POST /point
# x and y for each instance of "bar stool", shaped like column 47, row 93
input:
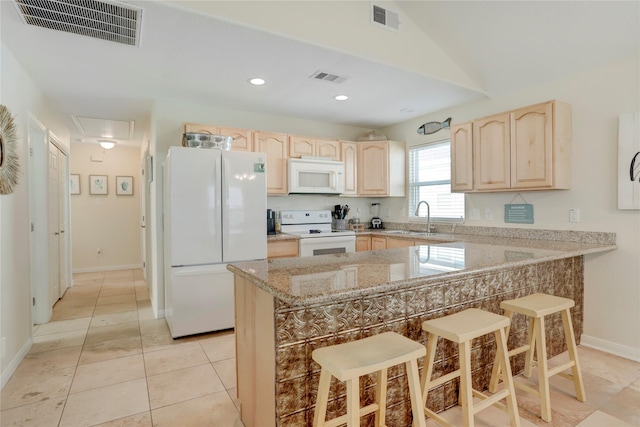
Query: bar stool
column 349, row 361
column 536, row 306
column 462, row 328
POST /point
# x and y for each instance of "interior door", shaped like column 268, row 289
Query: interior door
column 54, row 219
column 63, row 226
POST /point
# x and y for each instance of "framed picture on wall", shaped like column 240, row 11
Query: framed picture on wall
column 98, row 184
column 124, row 185
column 74, row 184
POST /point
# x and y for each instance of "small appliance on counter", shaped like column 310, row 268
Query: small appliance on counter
column 376, row 222
column 271, row 222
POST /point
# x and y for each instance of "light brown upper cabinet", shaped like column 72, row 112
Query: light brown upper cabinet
column 350, row 160
column 275, row 145
column 381, row 168
column 462, row 157
column 524, row 149
column 242, row 138
column 308, row 146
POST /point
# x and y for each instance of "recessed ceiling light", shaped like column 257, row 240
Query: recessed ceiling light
column 341, row 97
column 257, row 81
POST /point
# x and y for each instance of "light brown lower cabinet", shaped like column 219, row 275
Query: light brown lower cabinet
column 282, row 249
column 378, row 242
column 363, row 243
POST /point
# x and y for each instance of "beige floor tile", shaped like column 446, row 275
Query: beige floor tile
column 183, row 384
column 108, row 372
column 35, row 363
column 142, row 295
column 233, row 394
column 159, row 341
column 145, row 311
column 598, row 390
column 57, row 341
column 26, row 389
column 117, row 289
column 116, row 299
column 106, row 350
column 104, row 404
column 599, row 364
column 79, row 324
column 215, row 410
column 90, row 275
column 220, row 347
column 77, row 299
column 138, row 274
column 112, row 332
column 489, row 417
column 600, row 419
column 635, row 386
column 565, row 410
column 119, row 273
column 114, row 318
column 139, row 420
column 154, row 326
column 174, row 358
column 41, row 414
column 116, row 308
column 625, row 406
column 226, row 370
column 72, row 312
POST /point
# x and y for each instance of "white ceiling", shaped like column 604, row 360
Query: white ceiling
column 187, row 53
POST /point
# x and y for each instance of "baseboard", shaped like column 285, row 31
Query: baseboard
column 611, row 347
column 6, row 375
column 106, row 268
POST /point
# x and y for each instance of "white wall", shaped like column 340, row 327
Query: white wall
column 612, row 280
column 110, row 223
column 23, row 99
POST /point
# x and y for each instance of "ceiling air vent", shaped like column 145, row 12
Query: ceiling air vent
column 385, row 17
column 328, row 77
column 106, row 20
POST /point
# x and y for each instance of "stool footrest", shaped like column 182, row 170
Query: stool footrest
column 519, row 350
column 366, row 410
column 488, row 400
column 443, row 379
column 557, row 369
column 437, row 418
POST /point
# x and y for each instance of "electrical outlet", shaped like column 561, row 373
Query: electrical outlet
column 474, row 214
column 488, row 214
column 574, row 215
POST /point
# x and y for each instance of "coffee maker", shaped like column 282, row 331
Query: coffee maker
column 376, row 222
column 271, row 222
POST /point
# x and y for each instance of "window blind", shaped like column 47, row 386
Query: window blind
column 430, row 180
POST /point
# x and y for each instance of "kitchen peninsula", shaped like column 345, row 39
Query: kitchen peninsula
column 286, row 308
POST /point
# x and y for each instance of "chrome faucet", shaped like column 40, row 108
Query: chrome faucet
column 428, row 213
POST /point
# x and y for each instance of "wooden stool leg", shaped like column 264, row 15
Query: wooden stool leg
column 320, row 414
column 353, row 402
column 543, row 370
column 466, row 395
column 528, row 358
column 413, row 377
column 570, row 338
column 381, row 397
column 496, row 371
column 502, row 360
column 428, row 366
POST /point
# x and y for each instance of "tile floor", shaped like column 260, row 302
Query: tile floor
column 104, row 360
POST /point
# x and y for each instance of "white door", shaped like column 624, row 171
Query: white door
column 54, row 219
column 143, row 212
column 63, row 225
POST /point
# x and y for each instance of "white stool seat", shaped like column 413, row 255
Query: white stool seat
column 462, row 328
column 537, row 306
column 349, row 361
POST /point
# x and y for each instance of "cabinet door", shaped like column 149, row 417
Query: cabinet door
column 282, row 249
column 396, row 242
column 274, row 145
column 491, row 148
column 532, row 146
column 462, row 157
column 198, row 128
column 378, row 243
column 350, row 160
column 328, row 148
column 301, row 146
column 363, row 243
column 242, row 138
column 373, row 169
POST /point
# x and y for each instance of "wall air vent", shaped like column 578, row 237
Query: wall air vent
column 106, row 20
column 327, row 77
column 385, row 17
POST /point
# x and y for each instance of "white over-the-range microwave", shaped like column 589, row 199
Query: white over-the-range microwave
column 315, row 176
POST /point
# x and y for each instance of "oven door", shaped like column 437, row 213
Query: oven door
column 327, row 245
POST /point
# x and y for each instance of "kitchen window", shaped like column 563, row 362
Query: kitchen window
column 430, row 180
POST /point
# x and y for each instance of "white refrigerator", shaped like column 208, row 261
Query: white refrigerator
column 214, row 213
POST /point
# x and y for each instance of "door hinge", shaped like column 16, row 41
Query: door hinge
column 144, row 264
column 34, row 301
column 32, row 227
column 30, row 151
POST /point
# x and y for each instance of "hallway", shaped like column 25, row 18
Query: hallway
column 104, row 360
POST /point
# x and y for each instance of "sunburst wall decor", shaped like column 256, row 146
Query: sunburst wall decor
column 9, row 160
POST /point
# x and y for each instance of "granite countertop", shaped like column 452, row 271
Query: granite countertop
column 326, row 278
column 281, row 236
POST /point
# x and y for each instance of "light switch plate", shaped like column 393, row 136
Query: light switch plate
column 474, row 214
column 574, row 215
column 488, row 214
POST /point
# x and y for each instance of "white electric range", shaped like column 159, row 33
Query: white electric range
column 316, row 235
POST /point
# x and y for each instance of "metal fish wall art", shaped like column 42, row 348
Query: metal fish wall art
column 433, row 127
